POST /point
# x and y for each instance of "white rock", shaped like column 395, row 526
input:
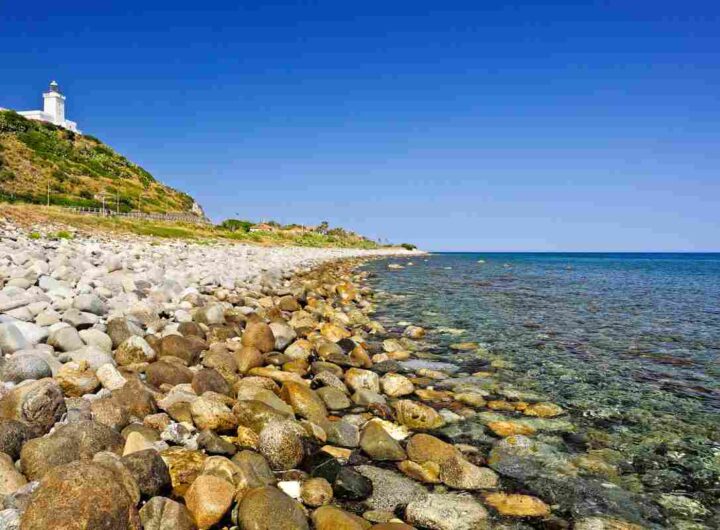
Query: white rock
column 110, row 377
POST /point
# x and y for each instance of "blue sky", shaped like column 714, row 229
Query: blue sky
column 458, row 125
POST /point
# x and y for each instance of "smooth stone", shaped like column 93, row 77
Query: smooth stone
column 447, row 511
column 214, row 444
column 357, row 378
column 168, row 373
column 316, row 492
column 333, row 398
column 11, row 338
column 109, row 377
column 259, row 335
column 379, row 445
column 254, row 468
column 22, row 366
column 458, row 473
column 65, row 339
column 515, row 505
column 342, row 433
column 121, row 329
column 390, row 489
column 416, row 415
column 89, row 303
column 304, row 401
column 179, row 347
column 283, row 333
column 161, row 513
column 351, row 485
column 269, row 508
column 210, row 412
column 423, row 448
column 10, row 479
column 209, row 380
column 97, row 338
column 333, row 518
column 149, row 471
column 396, row 385
column 208, row 499
column 281, row 443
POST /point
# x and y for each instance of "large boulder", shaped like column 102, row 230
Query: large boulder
column 81, row 496
column 73, row 441
column 39, row 404
column 23, row 366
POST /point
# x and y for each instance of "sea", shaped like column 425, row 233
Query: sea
column 627, row 343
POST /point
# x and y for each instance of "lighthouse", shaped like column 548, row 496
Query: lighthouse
column 53, row 109
column 54, row 104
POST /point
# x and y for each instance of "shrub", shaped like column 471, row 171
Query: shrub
column 34, row 235
column 6, row 175
column 63, row 234
column 11, row 121
column 236, row 225
column 408, row 246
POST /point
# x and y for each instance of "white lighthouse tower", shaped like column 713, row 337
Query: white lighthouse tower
column 54, row 104
column 53, row 109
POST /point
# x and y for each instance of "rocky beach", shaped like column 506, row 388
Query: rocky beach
column 174, row 385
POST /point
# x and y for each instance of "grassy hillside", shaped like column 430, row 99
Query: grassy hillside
column 55, row 220
column 78, row 168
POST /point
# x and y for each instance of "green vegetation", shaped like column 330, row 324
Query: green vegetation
column 408, row 246
column 33, row 216
column 63, row 234
column 236, row 225
column 79, row 171
column 34, row 235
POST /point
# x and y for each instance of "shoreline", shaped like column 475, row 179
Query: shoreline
column 272, row 401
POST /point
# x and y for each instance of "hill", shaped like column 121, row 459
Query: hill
column 79, row 170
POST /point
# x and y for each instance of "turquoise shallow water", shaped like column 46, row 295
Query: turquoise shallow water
column 628, row 343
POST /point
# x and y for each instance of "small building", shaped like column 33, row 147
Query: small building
column 53, row 109
column 263, row 227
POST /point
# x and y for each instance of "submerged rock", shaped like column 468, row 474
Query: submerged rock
column 449, row 511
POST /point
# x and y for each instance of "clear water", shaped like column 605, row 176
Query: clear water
column 628, row 343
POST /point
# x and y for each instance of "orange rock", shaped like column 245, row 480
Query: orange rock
column 517, row 505
column 501, row 405
column 543, row 410
column 510, row 428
